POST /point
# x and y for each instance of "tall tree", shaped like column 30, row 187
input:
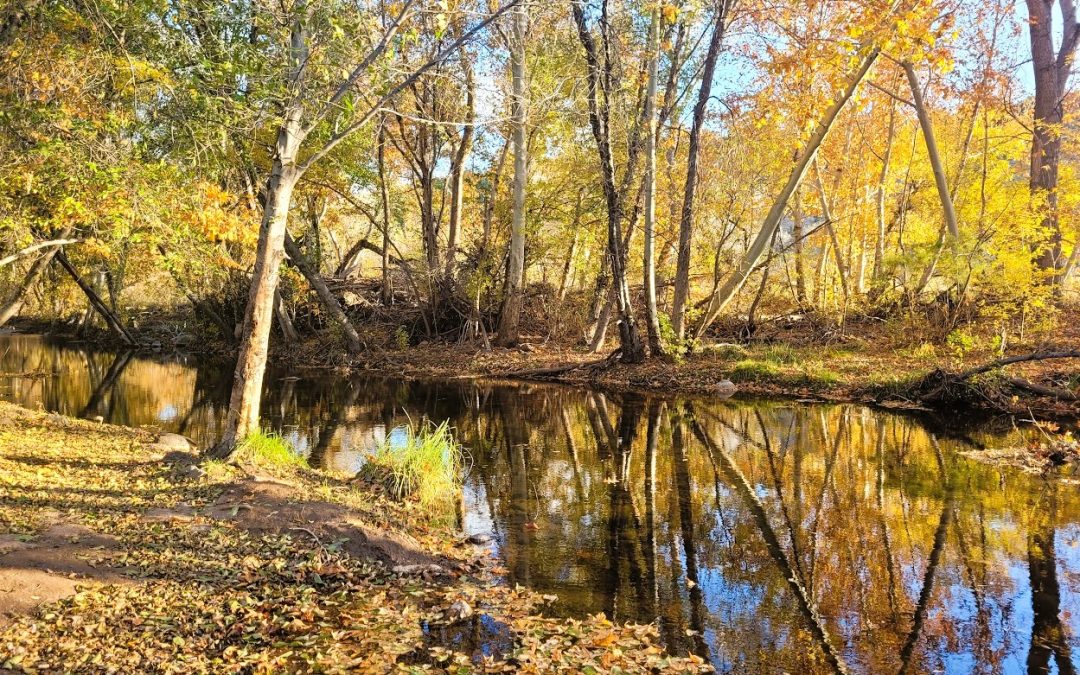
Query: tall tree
column 686, row 221
column 510, row 315
column 652, row 317
column 1052, row 69
column 600, row 77
column 304, row 109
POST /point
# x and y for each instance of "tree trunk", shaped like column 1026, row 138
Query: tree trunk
column 879, row 240
column 686, row 222
column 285, row 323
column 326, row 298
column 457, row 171
column 927, row 127
column 243, row 417
column 17, row 300
column 1051, row 77
column 800, row 259
column 515, row 270
column 386, row 288
column 599, row 84
column 652, row 318
column 568, row 265
column 95, row 300
column 723, row 296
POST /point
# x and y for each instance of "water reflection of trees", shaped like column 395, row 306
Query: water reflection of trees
column 767, row 537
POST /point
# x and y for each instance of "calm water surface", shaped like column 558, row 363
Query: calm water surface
column 765, row 536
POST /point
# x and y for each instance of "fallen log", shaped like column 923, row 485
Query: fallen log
column 1001, row 363
column 941, row 385
column 1053, row 392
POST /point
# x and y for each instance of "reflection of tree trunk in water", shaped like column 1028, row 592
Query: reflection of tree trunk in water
column 601, row 427
column 984, row 632
column 772, row 542
column 119, row 363
column 686, row 522
column 318, row 455
column 928, row 582
column 1047, row 632
column 890, row 567
column 830, row 462
column 198, row 405
column 518, row 515
column 629, row 530
column 655, row 410
column 779, row 486
column 629, row 420
column 571, row 449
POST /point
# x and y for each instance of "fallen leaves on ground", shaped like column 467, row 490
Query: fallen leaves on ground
column 209, row 596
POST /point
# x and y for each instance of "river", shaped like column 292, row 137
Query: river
column 766, row 536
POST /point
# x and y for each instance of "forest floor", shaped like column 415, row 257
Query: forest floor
column 119, row 553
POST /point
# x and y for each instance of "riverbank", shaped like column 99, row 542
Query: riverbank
column 843, row 373
column 122, row 553
column 863, row 365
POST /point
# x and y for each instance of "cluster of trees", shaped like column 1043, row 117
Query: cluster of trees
column 635, row 163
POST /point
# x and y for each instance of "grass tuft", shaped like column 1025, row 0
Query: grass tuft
column 425, row 466
column 752, row 369
column 269, row 448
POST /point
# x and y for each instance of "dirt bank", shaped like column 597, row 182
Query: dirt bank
column 118, row 553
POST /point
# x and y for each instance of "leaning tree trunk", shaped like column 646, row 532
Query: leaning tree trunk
column 96, row 302
column 724, row 295
column 510, row 315
column 940, row 180
column 326, row 298
column 243, row 418
column 17, row 300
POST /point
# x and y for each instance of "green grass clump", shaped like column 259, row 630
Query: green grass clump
column 269, row 448
column 425, row 466
column 819, row 375
column 751, row 369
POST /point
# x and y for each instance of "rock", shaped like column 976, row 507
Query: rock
column 726, row 350
column 478, row 539
column 459, row 611
column 194, row 471
column 183, row 513
column 174, row 442
column 417, row 570
column 725, row 388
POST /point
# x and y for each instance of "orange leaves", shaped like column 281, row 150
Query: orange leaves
column 213, row 217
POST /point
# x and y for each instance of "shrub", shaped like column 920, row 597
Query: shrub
column 425, row 466
column 961, row 341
